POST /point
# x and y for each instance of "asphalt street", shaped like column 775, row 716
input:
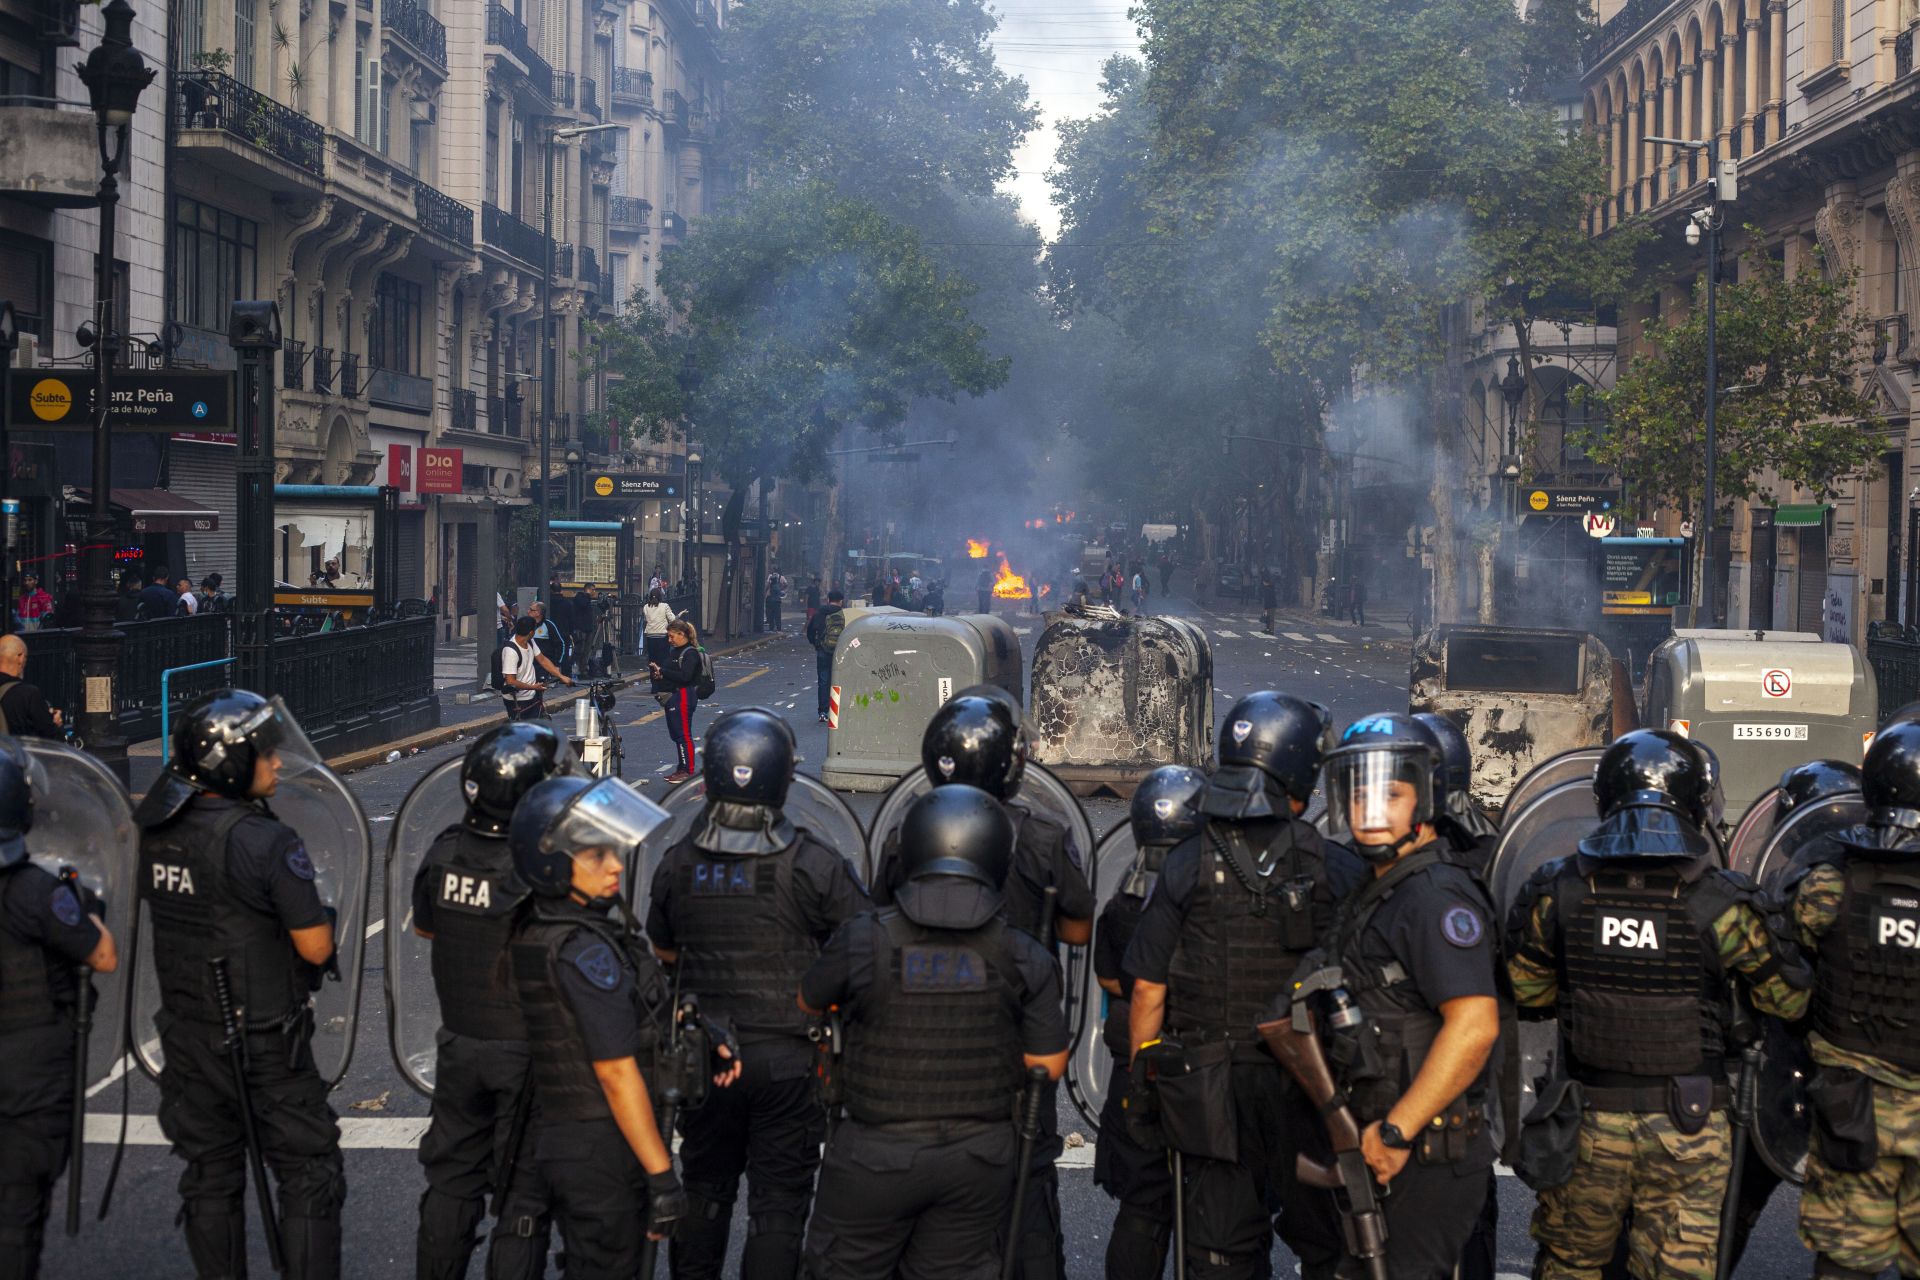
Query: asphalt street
column 1352, row 670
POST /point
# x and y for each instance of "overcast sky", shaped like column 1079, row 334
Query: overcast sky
column 1057, row 46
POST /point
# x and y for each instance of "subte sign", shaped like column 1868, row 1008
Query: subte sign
column 1777, row 682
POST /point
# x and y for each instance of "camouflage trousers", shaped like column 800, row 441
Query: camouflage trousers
column 1672, row 1184
column 1870, row 1220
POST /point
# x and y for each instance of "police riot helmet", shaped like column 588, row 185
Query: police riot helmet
column 17, row 771
column 1654, row 768
column 1166, row 806
column 1382, row 760
column 1271, row 746
column 750, row 757
column 563, row 817
column 957, row 830
column 1890, row 774
column 502, row 765
column 1816, row 780
column 221, row 736
column 978, row 741
column 1456, row 757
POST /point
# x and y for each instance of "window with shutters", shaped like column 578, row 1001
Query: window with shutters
column 26, row 277
column 215, row 263
column 383, row 90
column 493, row 151
column 360, row 83
column 244, row 14
column 189, row 34
column 617, row 264
column 1826, row 34
column 393, row 329
column 24, row 72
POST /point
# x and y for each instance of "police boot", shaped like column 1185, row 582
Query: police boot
column 773, row 1247
column 699, row 1248
column 216, row 1238
column 1825, row 1268
column 312, row 1245
column 446, row 1240
column 1137, row 1246
column 23, row 1218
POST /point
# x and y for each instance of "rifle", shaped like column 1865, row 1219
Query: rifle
column 516, row 1138
column 1745, row 1095
column 1295, row 1043
column 684, row 1070
column 237, row 1056
column 82, row 1033
column 1031, row 1098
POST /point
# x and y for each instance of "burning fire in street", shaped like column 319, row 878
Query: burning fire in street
column 976, row 549
column 1008, row 585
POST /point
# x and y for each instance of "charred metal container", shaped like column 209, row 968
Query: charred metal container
column 1115, row 698
column 891, row 671
column 1522, row 695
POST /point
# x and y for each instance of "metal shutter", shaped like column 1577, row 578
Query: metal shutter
column 203, row 473
column 411, row 530
column 1813, row 578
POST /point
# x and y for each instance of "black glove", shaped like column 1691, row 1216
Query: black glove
column 316, row 974
column 666, row 1203
column 719, row 1035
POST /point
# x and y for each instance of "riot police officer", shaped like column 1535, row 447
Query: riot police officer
column 742, row 906
column 464, row 899
column 1164, row 811
column 1414, row 947
column 1631, row 940
column 223, row 878
column 944, row 1007
column 1468, row 829
column 49, row 928
column 1855, row 905
column 1816, row 780
column 1233, row 913
column 978, row 739
column 598, row 1013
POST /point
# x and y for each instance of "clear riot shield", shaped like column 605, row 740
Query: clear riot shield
column 314, row 801
column 82, row 819
column 1755, row 832
column 1090, row 1063
column 1569, row 766
column 413, row 1007
column 1780, row 1100
column 1046, row 795
column 811, row 804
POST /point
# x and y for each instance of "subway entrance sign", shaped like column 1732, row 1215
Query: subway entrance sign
column 634, row 485
column 1568, row 502
column 143, row 400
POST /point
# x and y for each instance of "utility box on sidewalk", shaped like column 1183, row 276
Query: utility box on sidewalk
column 1114, row 698
column 891, row 671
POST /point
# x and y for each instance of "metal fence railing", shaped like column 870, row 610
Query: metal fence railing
column 1896, row 665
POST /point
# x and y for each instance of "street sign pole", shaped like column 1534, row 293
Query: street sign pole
column 254, row 331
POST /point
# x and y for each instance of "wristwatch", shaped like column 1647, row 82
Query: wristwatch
column 1391, row 1137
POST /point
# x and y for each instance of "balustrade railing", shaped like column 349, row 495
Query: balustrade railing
column 209, row 99
column 293, row 361
column 345, row 682
column 504, row 231
column 632, row 86
column 350, row 374
column 323, row 371
column 410, row 20
column 441, row 214
column 628, row 213
column 507, row 31
column 465, row 410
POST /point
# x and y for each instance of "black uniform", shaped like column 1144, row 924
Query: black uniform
column 1044, row 854
column 746, row 928
column 919, row 1171
column 465, row 895
column 590, row 992
column 227, row 878
column 1223, row 942
column 45, row 934
column 1409, row 941
column 1136, row 1175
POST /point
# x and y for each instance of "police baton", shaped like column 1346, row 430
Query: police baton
column 1744, row 1096
column 669, row 1110
column 1030, row 1099
column 1179, row 1214
column 77, row 1131
column 237, row 1057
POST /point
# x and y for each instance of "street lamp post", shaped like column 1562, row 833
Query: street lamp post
column 9, row 507
column 1513, row 389
column 576, row 460
column 115, row 74
column 547, row 344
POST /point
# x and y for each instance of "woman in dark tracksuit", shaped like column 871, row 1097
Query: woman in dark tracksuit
column 674, row 679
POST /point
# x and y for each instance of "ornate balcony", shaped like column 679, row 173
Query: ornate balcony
column 441, row 215
column 590, row 98
column 323, row 371
column 563, row 262
column 589, row 272
column 278, row 143
column 350, row 375
column 632, row 88
column 410, row 20
column 673, row 113
column 1903, row 53
column 293, row 361
column 629, row 214
column 507, row 32
column 501, row 230
column 465, row 410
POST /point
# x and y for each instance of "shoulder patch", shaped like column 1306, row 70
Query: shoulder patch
column 65, row 907
column 1461, row 926
column 297, row 860
column 597, row 964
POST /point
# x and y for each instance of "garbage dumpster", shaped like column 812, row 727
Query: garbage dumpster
column 1763, row 700
column 891, row 670
column 1116, row 697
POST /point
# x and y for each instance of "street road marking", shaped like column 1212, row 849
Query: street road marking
column 751, row 675
column 1023, row 631
column 376, row 927
column 1228, row 635
column 120, row 1068
column 1294, row 636
column 1321, row 635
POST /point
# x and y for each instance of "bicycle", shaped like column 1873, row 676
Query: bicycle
column 601, row 694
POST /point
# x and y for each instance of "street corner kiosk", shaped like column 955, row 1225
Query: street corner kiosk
column 891, row 671
column 1522, row 695
column 1764, row 701
column 1114, row 698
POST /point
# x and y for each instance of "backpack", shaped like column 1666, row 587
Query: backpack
column 704, row 686
column 496, row 677
column 831, row 629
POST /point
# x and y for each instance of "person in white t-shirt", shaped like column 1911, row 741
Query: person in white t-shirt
column 520, row 665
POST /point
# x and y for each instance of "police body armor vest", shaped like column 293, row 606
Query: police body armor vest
column 26, row 996
column 1034, row 840
column 1242, row 939
column 938, row 1035
column 1378, row 1061
column 1642, row 996
column 474, row 891
column 1866, row 996
column 184, row 883
column 743, row 942
column 563, row 1078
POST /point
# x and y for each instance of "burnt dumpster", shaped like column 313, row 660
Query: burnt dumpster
column 891, row 671
column 1115, row 697
column 1522, row 695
